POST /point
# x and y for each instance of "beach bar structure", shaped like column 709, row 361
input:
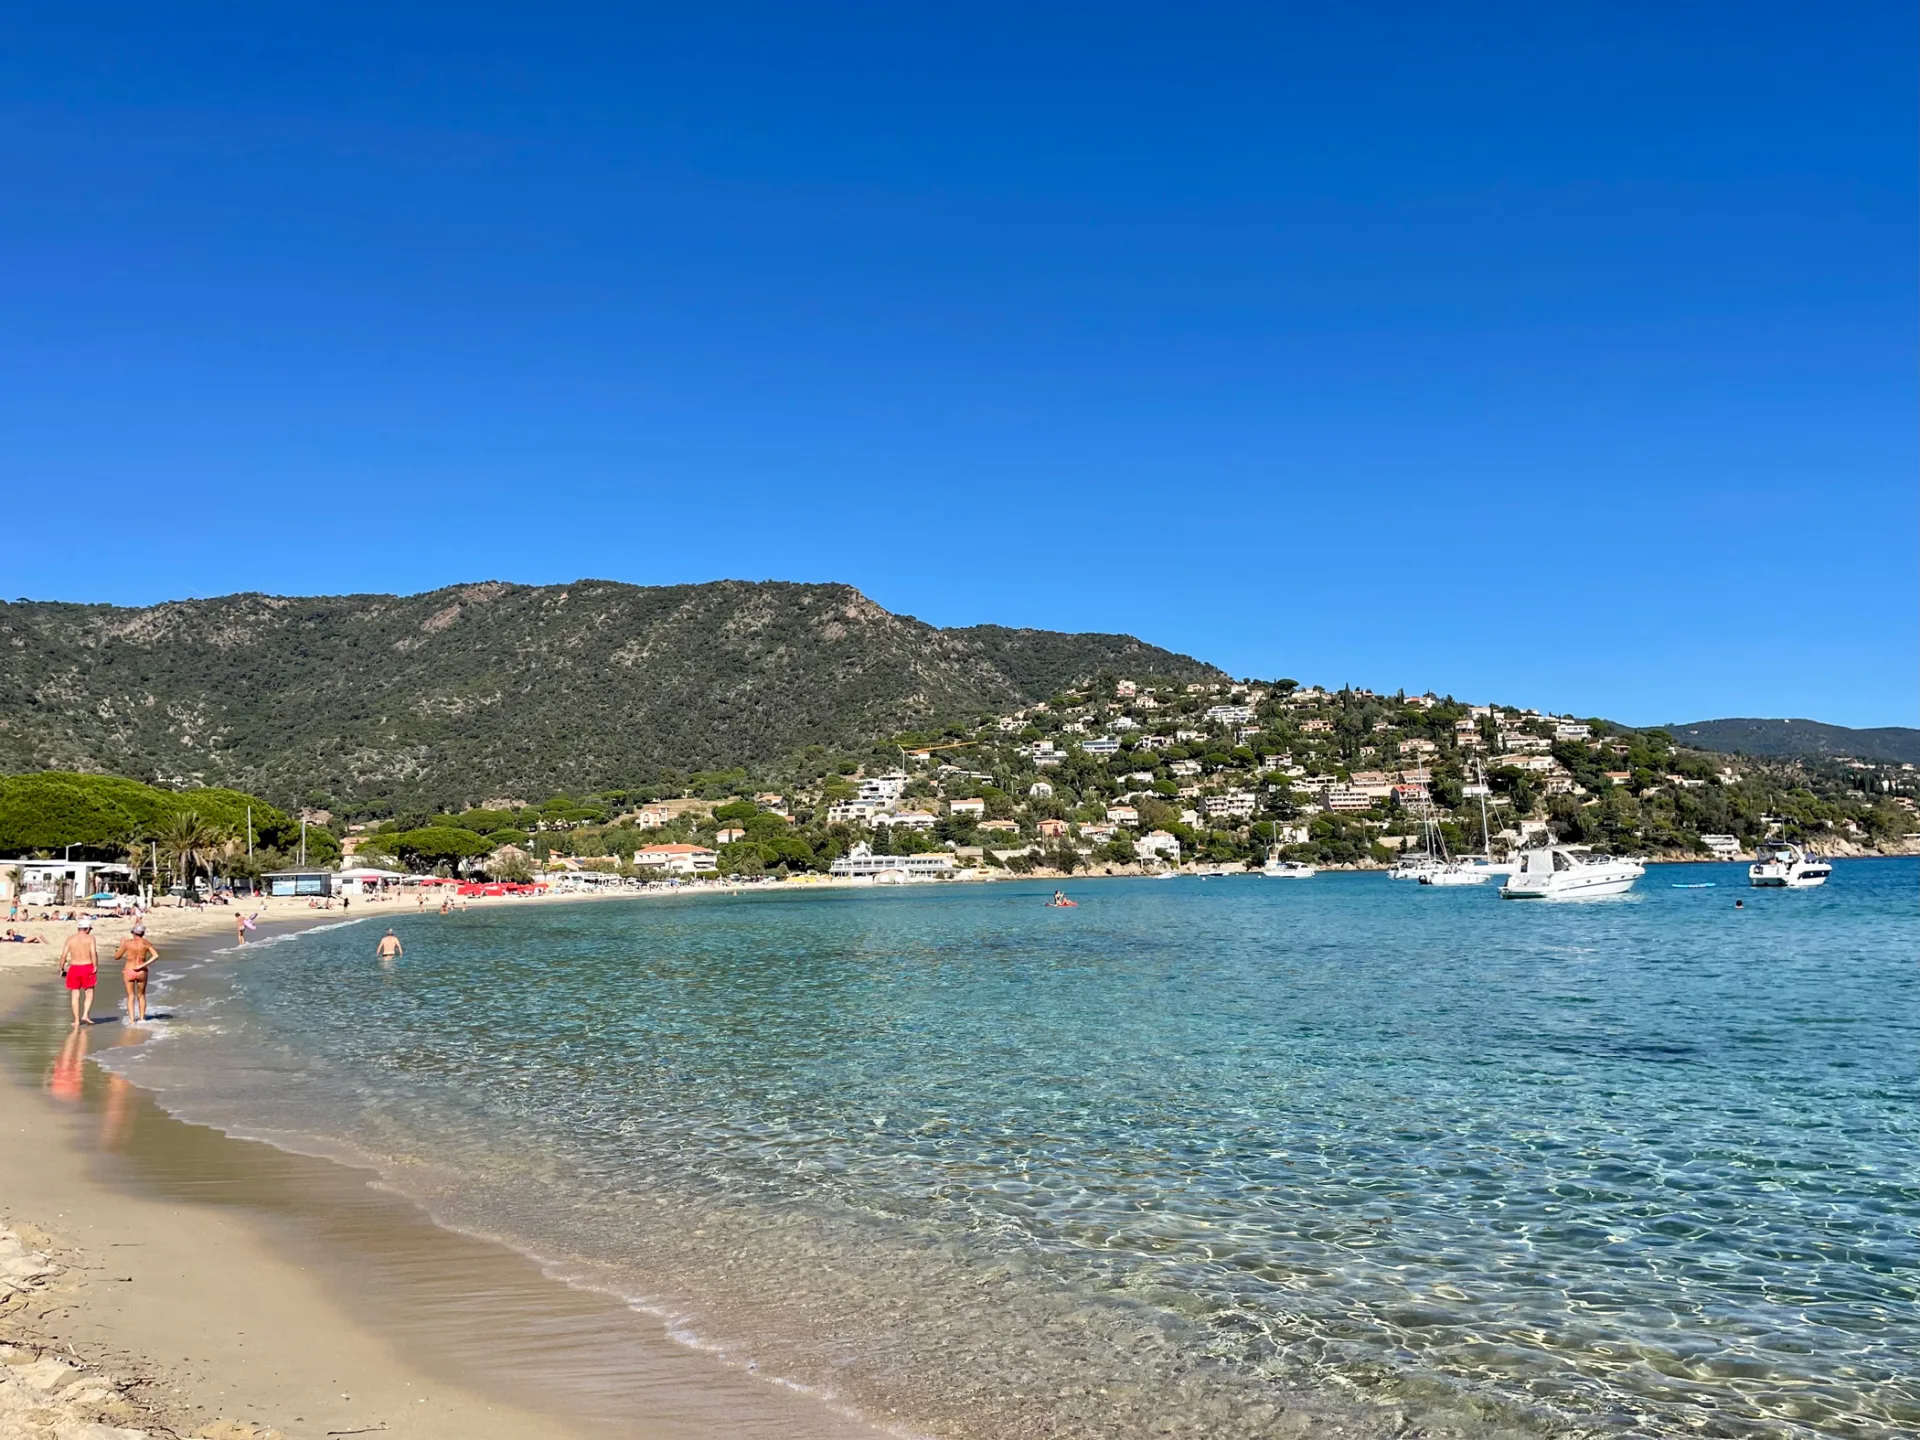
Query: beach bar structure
column 61, row 882
column 365, row 880
column 299, row 882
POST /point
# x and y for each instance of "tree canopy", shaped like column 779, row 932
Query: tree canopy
column 106, row 813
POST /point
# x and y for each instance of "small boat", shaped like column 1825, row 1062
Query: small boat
column 1568, row 872
column 1782, row 864
column 1457, row 872
column 1276, row 869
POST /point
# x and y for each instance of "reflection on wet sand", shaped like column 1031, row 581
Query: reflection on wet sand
column 474, row 1314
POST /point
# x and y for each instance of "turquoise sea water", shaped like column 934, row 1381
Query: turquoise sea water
column 1224, row 1157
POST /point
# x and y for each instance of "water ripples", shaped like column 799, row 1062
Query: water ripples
column 1210, row 1160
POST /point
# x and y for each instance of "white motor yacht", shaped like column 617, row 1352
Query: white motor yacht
column 1564, row 872
column 1277, row 869
column 1464, row 871
column 1781, row 863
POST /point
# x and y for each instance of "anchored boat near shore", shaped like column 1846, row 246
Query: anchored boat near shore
column 1782, row 864
column 1563, row 872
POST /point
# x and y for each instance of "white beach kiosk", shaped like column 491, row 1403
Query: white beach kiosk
column 364, row 882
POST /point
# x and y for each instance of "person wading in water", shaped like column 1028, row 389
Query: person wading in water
column 79, row 962
column 135, row 954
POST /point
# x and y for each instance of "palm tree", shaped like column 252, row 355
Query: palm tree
column 192, row 844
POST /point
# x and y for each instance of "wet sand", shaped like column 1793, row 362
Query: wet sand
column 243, row 1283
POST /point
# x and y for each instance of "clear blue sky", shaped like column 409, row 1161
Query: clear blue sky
column 1560, row 354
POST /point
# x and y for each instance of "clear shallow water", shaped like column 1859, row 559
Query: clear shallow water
column 1210, row 1158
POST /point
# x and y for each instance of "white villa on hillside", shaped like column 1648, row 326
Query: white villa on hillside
column 677, row 859
column 1157, row 842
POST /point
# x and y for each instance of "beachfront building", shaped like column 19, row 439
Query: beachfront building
column 299, row 882
column 1103, row 745
column 1721, row 847
column 861, row 863
column 860, row 811
column 1040, row 790
column 365, row 880
column 975, row 807
column 1051, row 829
column 62, row 882
column 677, row 859
column 1123, row 815
column 729, row 834
column 909, row 819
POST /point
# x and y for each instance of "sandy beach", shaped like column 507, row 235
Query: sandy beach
column 159, row 1278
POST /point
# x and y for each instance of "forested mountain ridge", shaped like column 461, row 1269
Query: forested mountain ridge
column 497, row 688
column 1801, row 739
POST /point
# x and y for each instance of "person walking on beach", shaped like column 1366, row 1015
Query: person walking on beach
column 79, row 962
column 389, row 950
column 239, row 927
column 135, row 954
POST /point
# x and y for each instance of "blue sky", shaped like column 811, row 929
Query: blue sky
column 1557, row 354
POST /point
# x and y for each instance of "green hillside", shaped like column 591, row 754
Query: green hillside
column 495, row 689
column 1801, row 739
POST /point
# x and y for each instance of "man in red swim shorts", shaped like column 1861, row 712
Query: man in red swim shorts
column 79, row 967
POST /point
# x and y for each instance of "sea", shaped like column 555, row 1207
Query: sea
column 1215, row 1157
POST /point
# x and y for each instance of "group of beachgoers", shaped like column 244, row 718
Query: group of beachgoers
column 80, row 968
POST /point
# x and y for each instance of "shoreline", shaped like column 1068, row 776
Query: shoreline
column 251, row 1291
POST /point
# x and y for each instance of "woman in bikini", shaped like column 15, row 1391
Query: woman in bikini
column 135, row 954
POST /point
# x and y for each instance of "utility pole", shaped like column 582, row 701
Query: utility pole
column 303, row 842
column 249, row 832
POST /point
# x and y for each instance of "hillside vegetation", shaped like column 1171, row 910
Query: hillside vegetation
column 429, row 701
column 1111, row 776
column 1802, row 739
column 105, row 817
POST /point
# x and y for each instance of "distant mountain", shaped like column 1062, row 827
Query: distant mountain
column 498, row 689
column 1801, row 739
